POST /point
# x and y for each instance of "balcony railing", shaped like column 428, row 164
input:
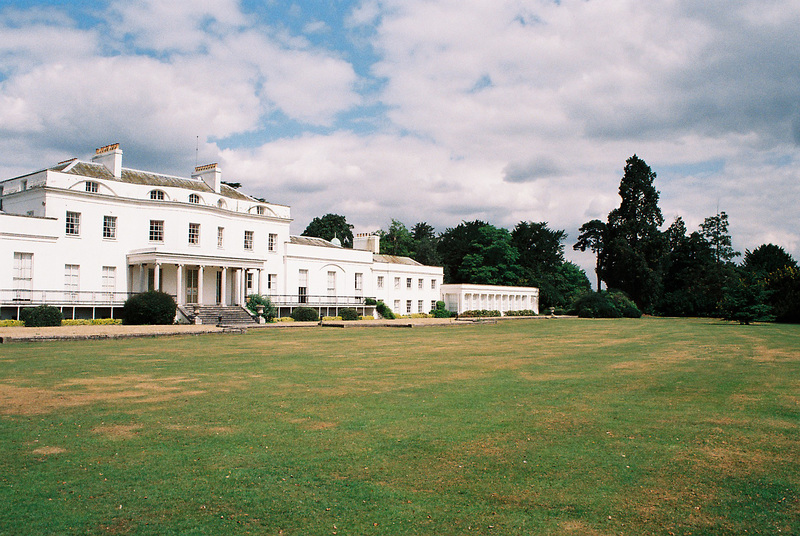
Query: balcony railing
column 312, row 300
column 62, row 297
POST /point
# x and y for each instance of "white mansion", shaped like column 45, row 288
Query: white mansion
column 83, row 236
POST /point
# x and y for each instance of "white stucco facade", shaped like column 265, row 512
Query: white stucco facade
column 86, row 235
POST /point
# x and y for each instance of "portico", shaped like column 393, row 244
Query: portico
column 196, row 279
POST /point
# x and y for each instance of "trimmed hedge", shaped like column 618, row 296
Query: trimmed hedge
column 481, row 313
column 348, row 314
column 152, row 307
column 523, row 312
column 42, row 316
column 305, row 314
column 94, row 322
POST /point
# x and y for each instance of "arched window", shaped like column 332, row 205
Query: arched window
column 222, row 204
column 194, row 198
column 261, row 210
column 157, row 195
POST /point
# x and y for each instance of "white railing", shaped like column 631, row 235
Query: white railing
column 61, row 297
column 311, row 300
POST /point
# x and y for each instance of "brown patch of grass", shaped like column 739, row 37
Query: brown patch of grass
column 118, row 431
column 49, row 450
column 573, row 526
column 16, row 400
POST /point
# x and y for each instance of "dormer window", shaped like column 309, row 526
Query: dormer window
column 91, row 186
column 157, row 195
column 261, row 210
column 222, row 204
column 194, row 198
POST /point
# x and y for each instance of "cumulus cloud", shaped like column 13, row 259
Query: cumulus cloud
column 440, row 110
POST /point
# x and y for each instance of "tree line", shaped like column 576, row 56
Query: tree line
column 670, row 272
column 477, row 252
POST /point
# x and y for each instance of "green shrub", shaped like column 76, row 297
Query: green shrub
column 305, row 314
column 11, row 323
column 606, row 305
column 522, row 312
column 441, row 311
column 481, row 313
column 254, row 300
column 625, row 305
column 384, row 311
column 44, row 315
column 153, row 307
column 370, row 301
column 348, row 314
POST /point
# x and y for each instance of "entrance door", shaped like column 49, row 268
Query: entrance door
column 219, row 288
column 191, row 285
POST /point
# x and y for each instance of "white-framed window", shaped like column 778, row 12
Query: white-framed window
column 408, row 307
column 261, row 210
column 73, row 220
column 72, row 277
column 157, row 195
column 433, row 284
column 91, row 187
column 194, row 198
column 194, row 233
column 331, row 283
column 110, row 227
column 359, row 282
column 23, row 275
column 396, row 308
column 109, row 281
column 272, row 283
column 420, row 284
column 272, row 242
column 302, row 286
column 248, row 240
column 220, row 237
column 23, row 185
column 249, row 281
column 408, row 282
column 433, row 305
column 397, row 283
column 420, row 305
column 156, row 230
column 380, row 281
column 222, row 204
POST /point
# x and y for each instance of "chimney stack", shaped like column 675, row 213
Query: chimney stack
column 211, row 174
column 367, row 242
column 111, row 157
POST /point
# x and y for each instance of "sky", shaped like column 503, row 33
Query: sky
column 440, row 111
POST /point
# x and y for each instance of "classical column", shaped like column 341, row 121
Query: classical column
column 200, row 285
column 223, row 290
column 179, row 285
column 157, row 277
column 142, row 287
column 261, row 281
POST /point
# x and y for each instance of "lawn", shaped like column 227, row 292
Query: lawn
column 524, row 427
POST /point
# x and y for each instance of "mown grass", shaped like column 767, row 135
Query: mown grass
column 651, row 426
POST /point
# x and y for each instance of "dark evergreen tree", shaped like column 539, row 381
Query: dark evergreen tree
column 715, row 230
column 592, row 236
column 633, row 246
column 765, row 259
